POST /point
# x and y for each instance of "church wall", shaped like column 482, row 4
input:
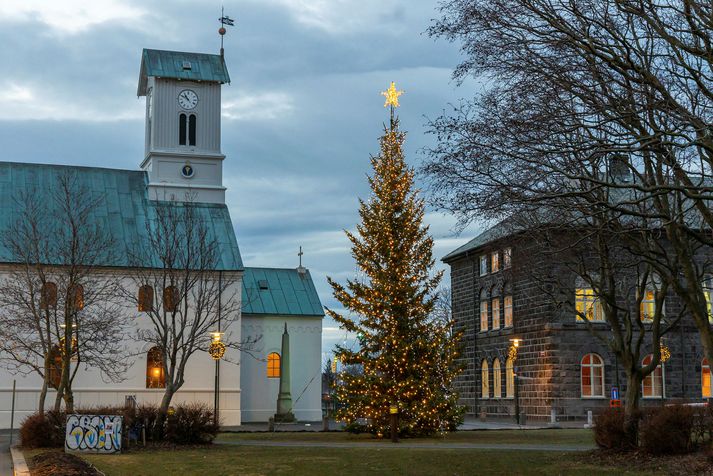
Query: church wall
column 259, row 396
column 90, row 389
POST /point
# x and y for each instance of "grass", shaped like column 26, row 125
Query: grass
column 226, row 460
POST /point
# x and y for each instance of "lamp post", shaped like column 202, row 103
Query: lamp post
column 512, row 353
column 216, row 351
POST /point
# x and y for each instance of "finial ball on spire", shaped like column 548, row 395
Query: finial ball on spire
column 221, row 31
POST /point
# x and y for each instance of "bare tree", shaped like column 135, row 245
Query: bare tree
column 176, row 280
column 58, row 306
column 577, row 93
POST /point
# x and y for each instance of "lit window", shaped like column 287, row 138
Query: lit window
column 588, row 304
column 496, row 312
column 705, row 379
column 508, row 311
column 509, row 379
column 171, row 296
column 155, row 372
column 48, row 296
column 75, row 293
column 653, row 384
column 648, row 306
column 497, row 387
column 507, row 258
column 483, row 312
column 494, row 262
column 707, row 292
column 182, row 126
column 483, row 265
column 145, row 298
column 273, row 365
column 592, row 376
column 192, row 129
column 484, row 380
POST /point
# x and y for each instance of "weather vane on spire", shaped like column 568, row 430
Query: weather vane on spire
column 392, row 96
column 224, row 20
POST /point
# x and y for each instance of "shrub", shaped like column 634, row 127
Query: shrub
column 191, row 423
column 610, row 430
column 668, row 430
column 43, row 431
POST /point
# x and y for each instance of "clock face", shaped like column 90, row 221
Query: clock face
column 187, row 99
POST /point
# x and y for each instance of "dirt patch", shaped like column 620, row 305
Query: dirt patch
column 55, row 463
column 675, row 465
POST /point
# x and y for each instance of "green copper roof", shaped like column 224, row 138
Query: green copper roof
column 123, row 208
column 280, row 292
column 181, row 65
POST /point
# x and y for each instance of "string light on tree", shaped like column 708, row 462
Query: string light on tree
column 405, row 357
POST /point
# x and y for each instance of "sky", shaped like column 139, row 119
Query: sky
column 301, row 117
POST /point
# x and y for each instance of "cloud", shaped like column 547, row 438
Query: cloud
column 69, row 16
column 257, row 107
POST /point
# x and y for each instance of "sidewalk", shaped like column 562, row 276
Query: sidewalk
column 5, row 459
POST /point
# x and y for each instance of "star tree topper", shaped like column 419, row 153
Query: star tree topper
column 392, row 96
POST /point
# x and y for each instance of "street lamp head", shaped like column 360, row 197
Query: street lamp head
column 216, row 336
column 515, row 341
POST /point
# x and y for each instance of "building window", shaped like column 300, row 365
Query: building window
column 647, row 310
column 509, row 379
column 48, row 296
column 145, row 298
column 496, row 312
column 484, row 379
column 171, row 296
column 497, row 384
column 182, row 126
column 508, row 311
column 273, row 365
column 75, row 293
column 192, row 129
column 483, row 312
column 653, row 384
column 483, row 265
column 155, row 372
column 592, row 376
column 705, row 379
column 707, row 293
column 588, row 305
column 494, row 262
column 507, row 258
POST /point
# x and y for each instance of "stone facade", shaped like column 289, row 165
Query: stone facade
column 553, row 342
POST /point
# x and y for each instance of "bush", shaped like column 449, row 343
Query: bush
column 668, row 430
column 43, row 431
column 191, row 423
column 610, row 430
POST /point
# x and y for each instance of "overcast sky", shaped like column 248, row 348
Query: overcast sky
column 300, row 118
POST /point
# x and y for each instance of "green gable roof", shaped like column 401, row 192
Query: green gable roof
column 123, row 210
column 170, row 64
column 280, row 292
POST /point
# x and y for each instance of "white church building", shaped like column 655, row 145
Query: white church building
column 183, row 155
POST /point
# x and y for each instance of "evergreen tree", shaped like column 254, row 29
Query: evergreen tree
column 407, row 357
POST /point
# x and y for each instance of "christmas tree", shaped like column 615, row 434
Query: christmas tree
column 406, row 357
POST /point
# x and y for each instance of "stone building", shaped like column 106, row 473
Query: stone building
column 561, row 366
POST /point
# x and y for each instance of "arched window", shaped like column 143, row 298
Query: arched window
column 587, row 304
column 592, row 376
column 155, row 372
column 495, row 303
column 653, row 384
column 705, row 379
column 75, row 295
column 48, row 296
column 145, row 298
column 507, row 301
column 171, row 296
column 484, row 379
column 182, row 120
column 483, row 311
column 55, row 370
column 509, row 379
column 273, row 365
column 192, row 129
column 647, row 309
column 497, row 385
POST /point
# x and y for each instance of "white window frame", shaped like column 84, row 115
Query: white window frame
column 483, row 265
column 593, row 367
column 497, row 379
column 507, row 258
column 484, row 315
column 509, row 379
column 494, row 262
column 484, row 379
column 705, row 368
column 507, row 311
column 495, row 311
column 585, row 298
column 653, row 378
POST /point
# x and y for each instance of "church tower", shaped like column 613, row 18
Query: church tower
column 183, row 111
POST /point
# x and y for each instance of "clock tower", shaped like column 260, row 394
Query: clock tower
column 182, row 152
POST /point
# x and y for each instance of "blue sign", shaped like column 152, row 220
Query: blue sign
column 615, row 393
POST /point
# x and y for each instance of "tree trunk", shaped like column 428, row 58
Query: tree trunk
column 45, row 382
column 631, row 407
column 163, row 412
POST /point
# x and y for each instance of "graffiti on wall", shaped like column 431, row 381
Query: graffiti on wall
column 93, row 433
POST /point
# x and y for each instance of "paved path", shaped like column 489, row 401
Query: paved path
column 428, row 446
column 5, row 459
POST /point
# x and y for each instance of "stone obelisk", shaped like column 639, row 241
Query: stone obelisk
column 284, row 398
